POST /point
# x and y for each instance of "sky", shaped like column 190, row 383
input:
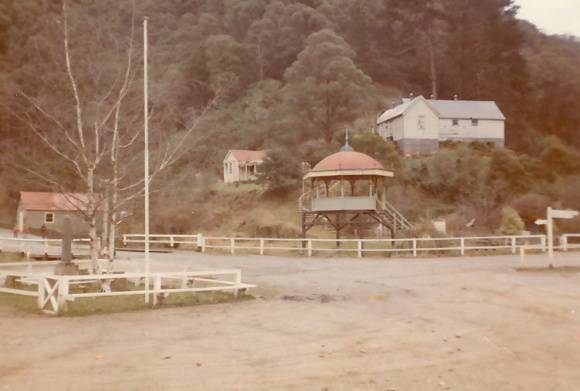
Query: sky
column 552, row 16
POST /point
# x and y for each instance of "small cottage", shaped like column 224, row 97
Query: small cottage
column 417, row 125
column 242, row 165
column 44, row 212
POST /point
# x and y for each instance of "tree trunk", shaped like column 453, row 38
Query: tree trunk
column 105, row 222
column 92, row 215
column 94, row 245
column 432, row 66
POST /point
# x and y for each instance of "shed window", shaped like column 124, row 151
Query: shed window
column 474, row 122
column 49, row 217
column 421, row 122
column 455, row 122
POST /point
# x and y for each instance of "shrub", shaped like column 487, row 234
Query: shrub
column 511, row 223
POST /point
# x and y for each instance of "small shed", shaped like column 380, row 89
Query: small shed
column 45, row 212
column 242, row 165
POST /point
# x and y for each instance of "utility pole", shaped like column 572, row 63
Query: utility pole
column 146, row 139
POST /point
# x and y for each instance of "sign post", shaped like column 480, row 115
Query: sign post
column 552, row 214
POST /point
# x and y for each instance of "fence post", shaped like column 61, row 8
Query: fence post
column 359, row 248
column 261, row 246
column 309, row 247
column 232, row 246
column 41, row 293
column 156, row 288
column 238, row 281
column 543, row 242
column 124, row 239
column 462, row 245
column 564, row 242
column 513, row 244
column 522, row 255
column 414, row 247
column 63, row 284
column 199, row 241
column 171, row 243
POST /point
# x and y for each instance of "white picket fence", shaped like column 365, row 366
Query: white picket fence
column 41, row 245
column 54, row 291
column 411, row 246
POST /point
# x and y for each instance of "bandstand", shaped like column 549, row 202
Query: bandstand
column 348, row 188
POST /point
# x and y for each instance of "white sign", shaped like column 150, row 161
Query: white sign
column 541, row 222
column 564, row 214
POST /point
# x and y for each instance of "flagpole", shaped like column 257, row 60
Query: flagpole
column 146, row 139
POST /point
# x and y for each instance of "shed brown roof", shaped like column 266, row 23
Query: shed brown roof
column 32, row 200
column 244, row 155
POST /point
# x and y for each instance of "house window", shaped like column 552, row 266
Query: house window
column 455, row 122
column 229, row 168
column 49, row 218
column 474, row 122
column 421, row 122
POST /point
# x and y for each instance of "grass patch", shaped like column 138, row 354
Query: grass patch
column 22, row 303
column 549, row 269
column 6, row 257
column 115, row 304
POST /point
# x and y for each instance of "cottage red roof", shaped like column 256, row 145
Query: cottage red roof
column 245, row 155
column 53, row 201
column 349, row 160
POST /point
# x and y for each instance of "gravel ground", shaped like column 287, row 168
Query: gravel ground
column 321, row 324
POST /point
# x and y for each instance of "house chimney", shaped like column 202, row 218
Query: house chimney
column 455, row 97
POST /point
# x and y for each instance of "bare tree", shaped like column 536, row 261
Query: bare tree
column 96, row 129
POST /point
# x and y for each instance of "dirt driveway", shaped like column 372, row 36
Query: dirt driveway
column 321, row 324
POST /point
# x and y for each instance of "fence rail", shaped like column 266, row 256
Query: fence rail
column 54, row 291
column 566, row 244
column 412, row 246
column 40, row 245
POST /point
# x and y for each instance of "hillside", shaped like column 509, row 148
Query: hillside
column 288, row 76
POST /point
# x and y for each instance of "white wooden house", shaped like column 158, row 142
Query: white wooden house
column 242, row 165
column 418, row 125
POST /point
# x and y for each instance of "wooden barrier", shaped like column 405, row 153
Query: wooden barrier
column 53, row 291
column 358, row 247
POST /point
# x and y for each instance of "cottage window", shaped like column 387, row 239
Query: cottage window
column 474, row 122
column 49, row 218
column 230, row 167
column 455, row 122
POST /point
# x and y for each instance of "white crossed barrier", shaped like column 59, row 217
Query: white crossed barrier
column 54, row 291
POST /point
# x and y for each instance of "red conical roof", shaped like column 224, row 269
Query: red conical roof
column 348, row 160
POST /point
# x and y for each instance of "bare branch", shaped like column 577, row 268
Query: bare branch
column 71, row 77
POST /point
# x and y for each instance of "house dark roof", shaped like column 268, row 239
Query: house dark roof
column 244, row 155
column 467, row 109
column 449, row 109
column 43, row 201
